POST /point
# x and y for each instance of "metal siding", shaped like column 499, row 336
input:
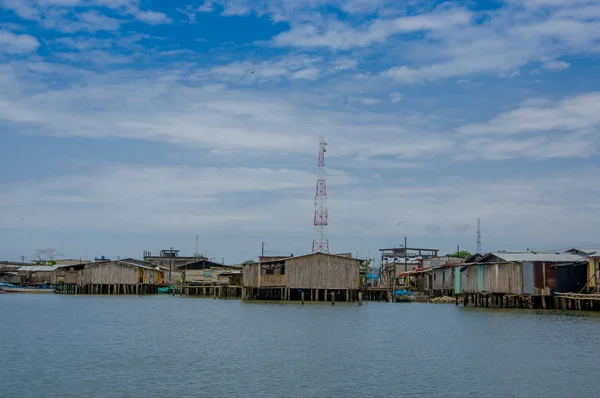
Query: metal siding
column 457, row 280
column 528, row 281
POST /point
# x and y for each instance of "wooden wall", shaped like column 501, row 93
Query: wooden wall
column 317, row 271
column 592, row 273
column 322, row 271
column 442, row 278
column 117, row 273
column 544, row 277
column 250, row 273
column 468, row 279
column 495, row 278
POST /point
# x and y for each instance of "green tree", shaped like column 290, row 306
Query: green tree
column 248, row 262
column 461, row 254
column 365, row 266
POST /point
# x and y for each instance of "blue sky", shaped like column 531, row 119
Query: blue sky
column 131, row 125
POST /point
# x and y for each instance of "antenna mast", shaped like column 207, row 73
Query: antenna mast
column 320, row 241
column 478, row 237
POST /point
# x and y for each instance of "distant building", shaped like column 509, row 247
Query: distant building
column 170, row 260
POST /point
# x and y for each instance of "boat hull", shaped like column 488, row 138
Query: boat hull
column 404, row 299
column 27, row 290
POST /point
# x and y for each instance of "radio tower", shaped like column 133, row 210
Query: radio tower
column 478, row 237
column 320, row 241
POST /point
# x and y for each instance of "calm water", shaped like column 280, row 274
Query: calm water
column 64, row 346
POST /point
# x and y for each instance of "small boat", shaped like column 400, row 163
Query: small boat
column 166, row 290
column 10, row 288
column 403, row 296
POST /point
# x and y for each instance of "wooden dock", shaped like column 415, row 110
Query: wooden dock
column 213, row 291
column 109, row 289
column 564, row 301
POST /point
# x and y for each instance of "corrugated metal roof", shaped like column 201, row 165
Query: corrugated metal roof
column 38, row 268
column 537, row 256
column 590, row 251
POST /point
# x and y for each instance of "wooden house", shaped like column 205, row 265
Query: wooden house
column 439, row 280
column 41, row 274
column 313, row 276
column 511, row 273
column 127, row 276
column 593, row 273
column 205, row 271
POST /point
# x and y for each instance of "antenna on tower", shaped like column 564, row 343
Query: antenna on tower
column 320, row 241
column 478, row 236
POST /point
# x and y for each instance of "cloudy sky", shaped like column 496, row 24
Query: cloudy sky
column 131, row 125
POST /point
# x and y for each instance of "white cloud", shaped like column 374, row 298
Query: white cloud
column 564, row 147
column 97, row 57
column 337, row 35
column 89, row 21
column 152, row 17
column 297, row 67
column 66, row 15
column 282, row 206
column 396, row 97
column 309, row 73
column 365, row 100
column 577, row 113
column 555, row 65
column 505, row 42
column 24, row 9
column 207, row 6
column 344, row 64
column 105, row 203
column 12, row 43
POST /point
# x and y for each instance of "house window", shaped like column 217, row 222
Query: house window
column 283, row 270
column 269, row 271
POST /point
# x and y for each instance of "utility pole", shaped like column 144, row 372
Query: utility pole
column 405, row 263
column 196, row 254
column 23, row 259
column 170, row 263
column 457, row 250
column 478, row 236
column 262, row 252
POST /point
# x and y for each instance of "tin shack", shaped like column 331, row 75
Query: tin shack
column 520, row 274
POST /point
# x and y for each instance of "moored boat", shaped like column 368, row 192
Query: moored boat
column 404, row 296
column 10, row 288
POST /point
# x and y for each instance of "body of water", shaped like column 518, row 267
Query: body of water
column 160, row 346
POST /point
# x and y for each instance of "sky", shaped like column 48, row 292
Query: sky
column 132, row 125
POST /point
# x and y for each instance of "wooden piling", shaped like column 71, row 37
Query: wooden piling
column 302, row 297
column 360, row 298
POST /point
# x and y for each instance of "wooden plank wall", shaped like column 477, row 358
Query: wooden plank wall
column 545, row 278
column 250, row 274
column 468, row 279
column 272, row 280
column 503, row 278
column 322, row 271
column 441, row 282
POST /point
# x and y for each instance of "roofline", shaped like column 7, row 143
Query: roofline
column 412, row 248
column 306, row 255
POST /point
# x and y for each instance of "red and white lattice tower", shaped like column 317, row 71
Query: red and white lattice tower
column 320, row 240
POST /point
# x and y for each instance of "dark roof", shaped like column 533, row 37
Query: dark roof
column 201, row 264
